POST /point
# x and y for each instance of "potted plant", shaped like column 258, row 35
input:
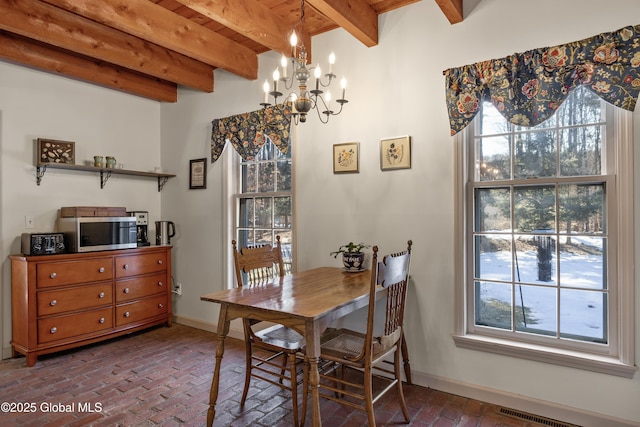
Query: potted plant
column 352, row 255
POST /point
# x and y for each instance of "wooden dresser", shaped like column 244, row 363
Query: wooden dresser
column 68, row 300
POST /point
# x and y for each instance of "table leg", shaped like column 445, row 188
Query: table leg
column 223, row 330
column 313, row 355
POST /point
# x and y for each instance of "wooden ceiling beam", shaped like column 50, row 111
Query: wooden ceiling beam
column 33, row 54
column 148, row 21
column 66, row 30
column 452, row 9
column 250, row 18
column 357, row 17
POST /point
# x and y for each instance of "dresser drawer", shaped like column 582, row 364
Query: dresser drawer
column 141, row 310
column 78, row 298
column 71, row 325
column 139, row 287
column 140, row 264
column 70, row 272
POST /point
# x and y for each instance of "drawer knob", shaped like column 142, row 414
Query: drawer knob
column 160, row 283
column 101, row 295
column 101, row 320
column 54, row 330
column 159, row 261
column 160, row 306
column 53, row 275
column 127, row 314
column 53, row 302
column 126, row 290
column 126, row 266
column 101, row 269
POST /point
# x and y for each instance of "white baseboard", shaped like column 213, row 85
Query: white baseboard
column 541, row 408
column 7, row 353
column 235, row 330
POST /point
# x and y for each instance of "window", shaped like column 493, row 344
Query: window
column 264, row 201
column 543, row 211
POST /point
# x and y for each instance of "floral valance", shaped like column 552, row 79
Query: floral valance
column 247, row 132
column 527, row 88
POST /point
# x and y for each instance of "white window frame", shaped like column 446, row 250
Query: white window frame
column 231, row 193
column 621, row 217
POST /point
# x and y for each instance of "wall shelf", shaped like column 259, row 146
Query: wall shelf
column 105, row 173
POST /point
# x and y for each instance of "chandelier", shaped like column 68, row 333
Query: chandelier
column 305, row 100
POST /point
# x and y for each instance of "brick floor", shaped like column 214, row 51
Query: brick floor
column 162, row 377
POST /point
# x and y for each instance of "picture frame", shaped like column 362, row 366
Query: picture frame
column 198, row 174
column 395, row 153
column 346, row 157
column 55, row 151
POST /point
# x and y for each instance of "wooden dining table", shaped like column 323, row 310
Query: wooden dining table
column 307, row 301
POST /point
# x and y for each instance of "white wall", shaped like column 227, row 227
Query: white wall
column 103, row 122
column 395, row 88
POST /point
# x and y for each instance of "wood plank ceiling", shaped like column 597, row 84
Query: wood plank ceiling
column 149, row 47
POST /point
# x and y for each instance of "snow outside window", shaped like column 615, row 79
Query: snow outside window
column 542, row 221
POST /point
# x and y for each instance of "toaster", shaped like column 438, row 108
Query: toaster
column 42, row 243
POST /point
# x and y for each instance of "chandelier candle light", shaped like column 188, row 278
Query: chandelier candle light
column 305, row 100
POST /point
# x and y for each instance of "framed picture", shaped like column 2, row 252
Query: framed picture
column 54, row 151
column 346, row 157
column 198, row 174
column 395, row 153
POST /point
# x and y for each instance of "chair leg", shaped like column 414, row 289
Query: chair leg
column 247, row 371
column 305, row 392
column 293, row 379
column 405, row 358
column 403, row 404
column 368, row 396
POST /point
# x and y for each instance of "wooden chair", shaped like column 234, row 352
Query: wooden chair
column 255, row 266
column 366, row 352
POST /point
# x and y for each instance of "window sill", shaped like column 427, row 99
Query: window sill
column 573, row 359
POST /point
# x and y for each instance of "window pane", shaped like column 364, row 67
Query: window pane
column 494, row 158
column 249, row 178
column 493, row 257
column 492, row 209
column 581, row 208
column 582, row 262
column 536, row 309
column 284, row 176
column 583, row 314
column 581, row 151
column 534, row 208
column 535, row 154
column 245, row 238
column 263, row 212
column 264, row 237
column 580, row 108
column 266, row 179
column 492, row 121
column 282, row 217
column 493, row 304
column 535, row 259
column 246, row 213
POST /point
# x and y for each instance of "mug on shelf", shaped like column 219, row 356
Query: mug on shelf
column 111, row 162
column 97, row 161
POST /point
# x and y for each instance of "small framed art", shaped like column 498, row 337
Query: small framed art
column 54, row 151
column 346, row 157
column 198, row 174
column 395, row 153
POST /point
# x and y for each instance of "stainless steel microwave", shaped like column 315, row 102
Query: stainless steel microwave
column 87, row 234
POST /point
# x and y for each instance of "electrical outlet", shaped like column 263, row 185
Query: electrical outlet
column 29, row 221
column 178, row 289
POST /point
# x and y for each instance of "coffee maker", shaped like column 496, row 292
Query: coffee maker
column 142, row 227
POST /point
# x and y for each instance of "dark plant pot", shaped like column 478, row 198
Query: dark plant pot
column 353, row 261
